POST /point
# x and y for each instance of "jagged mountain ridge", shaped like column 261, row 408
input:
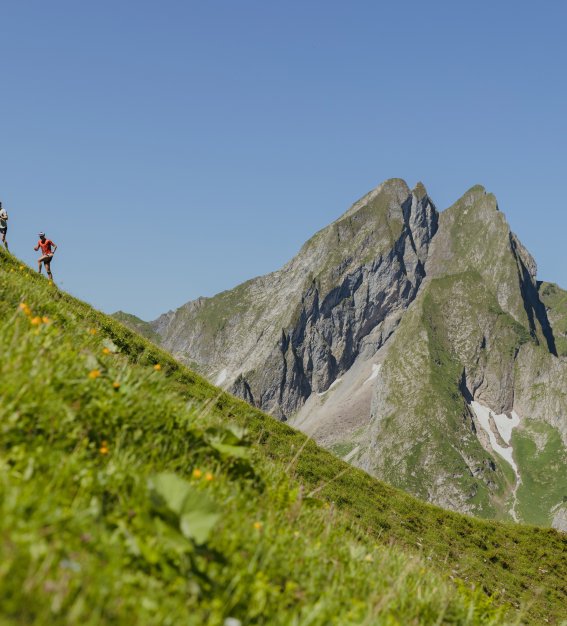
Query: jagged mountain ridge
column 382, row 335
column 313, row 317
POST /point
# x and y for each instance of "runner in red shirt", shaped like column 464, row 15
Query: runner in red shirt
column 47, row 253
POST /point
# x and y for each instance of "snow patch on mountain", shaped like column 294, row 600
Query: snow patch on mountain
column 504, row 425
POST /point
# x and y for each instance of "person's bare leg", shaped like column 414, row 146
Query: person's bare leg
column 48, row 269
column 4, row 241
column 39, row 266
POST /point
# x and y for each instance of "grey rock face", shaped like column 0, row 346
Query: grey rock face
column 331, row 327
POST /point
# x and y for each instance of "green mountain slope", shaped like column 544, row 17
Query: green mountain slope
column 143, row 328
column 129, row 494
column 425, row 422
column 476, row 343
column 475, row 236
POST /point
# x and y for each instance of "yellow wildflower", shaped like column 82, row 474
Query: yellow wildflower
column 105, row 351
column 36, row 321
column 103, row 448
column 94, row 374
column 25, row 308
column 209, row 476
column 92, row 331
column 45, row 319
column 22, row 267
column 157, row 367
column 197, row 473
column 258, row 525
column 116, row 385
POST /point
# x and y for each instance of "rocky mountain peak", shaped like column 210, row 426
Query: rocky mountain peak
column 419, row 191
column 341, row 294
column 474, row 197
column 389, row 195
column 384, row 335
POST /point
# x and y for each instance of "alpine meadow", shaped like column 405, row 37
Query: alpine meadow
column 133, row 491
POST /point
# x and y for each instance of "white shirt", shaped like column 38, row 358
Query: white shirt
column 3, row 218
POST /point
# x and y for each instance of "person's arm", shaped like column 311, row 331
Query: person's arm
column 54, row 246
column 36, row 248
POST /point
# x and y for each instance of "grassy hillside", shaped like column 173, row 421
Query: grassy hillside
column 133, row 492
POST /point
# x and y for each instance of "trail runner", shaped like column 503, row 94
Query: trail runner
column 3, row 225
column 47, row 253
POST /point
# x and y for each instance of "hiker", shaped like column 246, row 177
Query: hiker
column 3, row 225
column 47, row 254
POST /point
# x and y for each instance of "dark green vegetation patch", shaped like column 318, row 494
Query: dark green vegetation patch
column 541, row 456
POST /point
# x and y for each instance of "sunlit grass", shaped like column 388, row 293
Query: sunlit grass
column 130, row 493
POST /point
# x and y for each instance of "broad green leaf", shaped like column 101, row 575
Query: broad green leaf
column 239, row 452
column 167, row 489
column 195, row 513
column 171, row 538
column 238, row 431
column 197, row 524
column 200, row 514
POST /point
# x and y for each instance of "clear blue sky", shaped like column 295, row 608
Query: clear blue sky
column 176, row 148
